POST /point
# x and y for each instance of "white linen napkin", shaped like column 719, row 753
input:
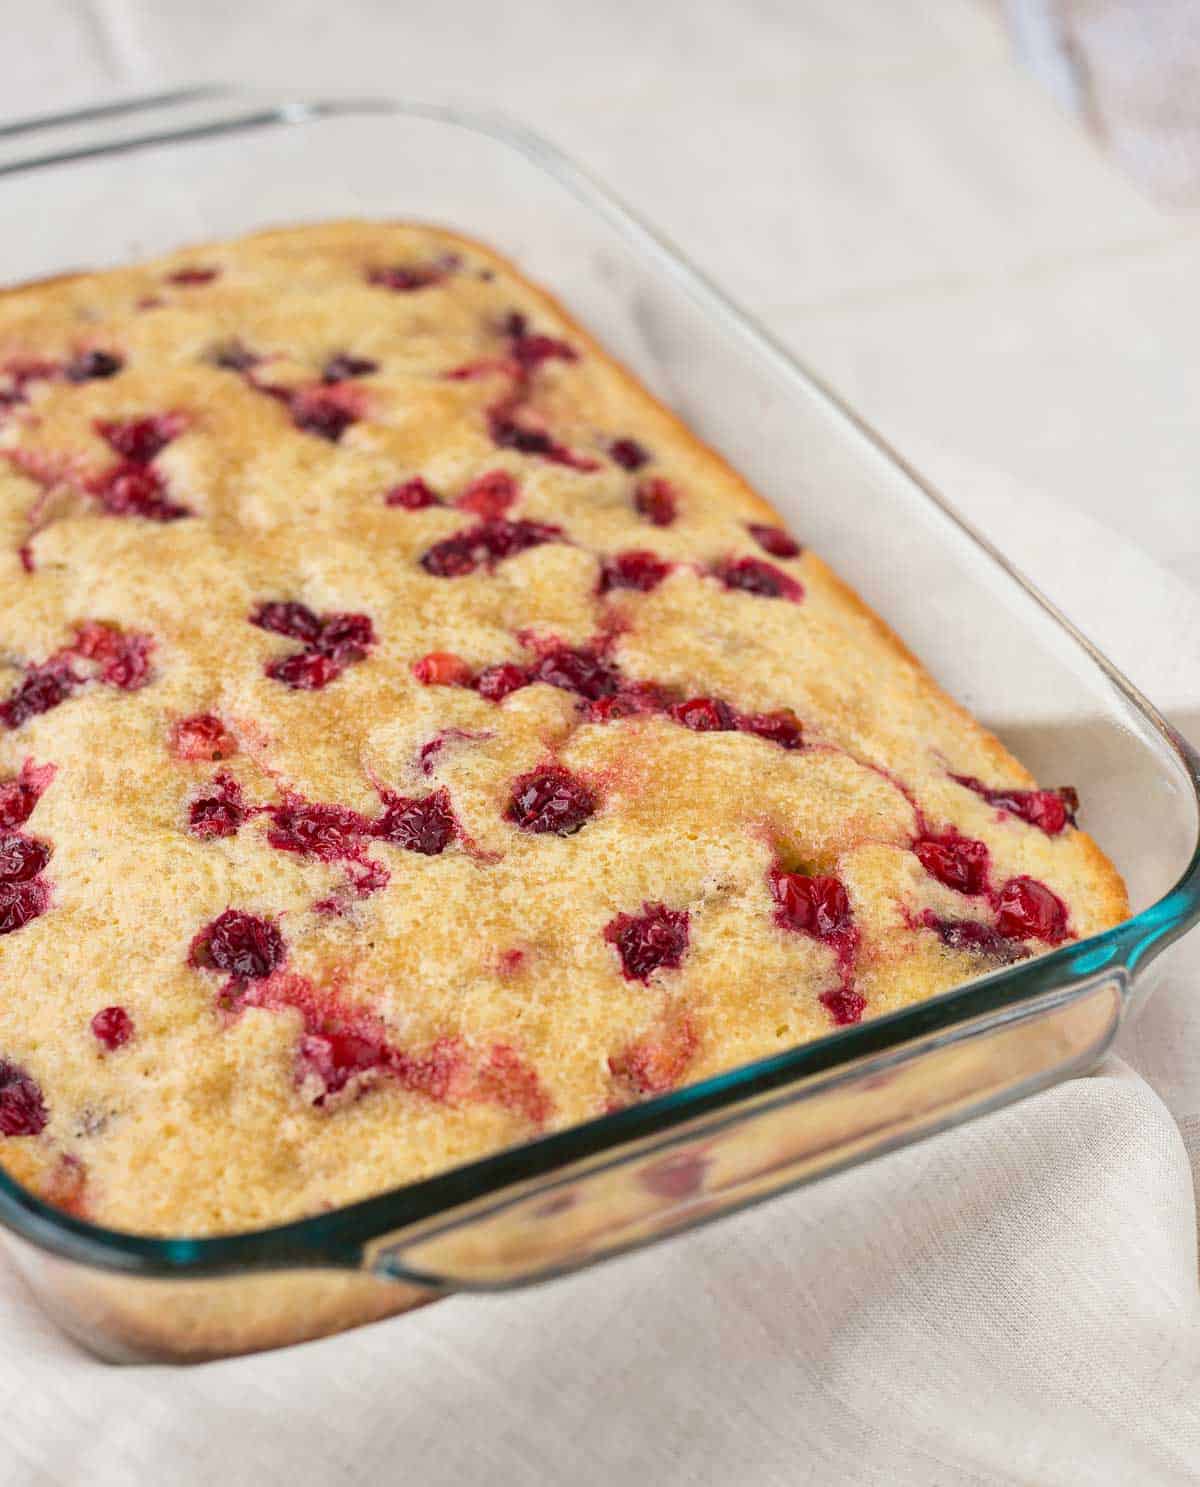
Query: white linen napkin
column 1012, row 1302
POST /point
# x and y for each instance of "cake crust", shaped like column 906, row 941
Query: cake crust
column 424, row 741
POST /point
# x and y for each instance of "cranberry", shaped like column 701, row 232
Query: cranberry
column 331, row 642
column 508, row 433
column 43, row 687
column 656, row 500
column 655, row 939
column 581, row 670
column 93, row 366
column 22, row 1107
column 134, row 489
column 957, row 861
column 426, row 825
column 1050, row 810
column 192, row 275
column 753, row 576
column 113, row 1026
column 844, row 1005
column 783, row 728
column 286, row 617
column 202, row 737
column 505, row 1079
column 657, row 1062
column 638, row 569
column 817, row 905
column 628, row 453
column 140, row 440
column 25, row 554
column 123, row 658
column 976, row 938
column 323, row 415
column 242, row 945
column 704, row 715
column 234, row 357
column 488, row 542
column 221, row 810
column 19, row 796
column 428, row 752
column 489, row 495
column 531, row 350
column 304, row 671
column 406, row 277
column 550, row 800
column 442, row 669
column 633, row 700
column 412, row 495
column 326, row 832
column 1028, row 910
column 338, row 1057
column 21, row 858
column 343, row 367
column 21, row 902
column 775, row 540
column 496, row 682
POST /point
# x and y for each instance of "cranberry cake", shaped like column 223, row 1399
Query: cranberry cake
column 413, row 740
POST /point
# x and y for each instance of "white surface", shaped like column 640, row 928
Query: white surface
column 1015, row 1302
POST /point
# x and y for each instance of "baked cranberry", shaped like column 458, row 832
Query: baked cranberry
column 704, row 715
column 1049, row 810
column 141, row 439
column 304, row 671
column 496, row 682
column 550, row 800
column 489, row 495
column 426, row 825
column 1028, row 910
column 331, row 642
column 628, row 453
column 43, row 687
column 656, row 939
column 220, row 810
column 509, row 433
column 21, row 858
column 753, row 576
column 133, row 489
column 25, row 554
column 657, row 1062
column 21, row 902
column 234, row 357
column 345, row 638
column 579, row 670
column 202, row 737
column 531, row 350
column 783, row 728
column 638, row 569
column 22, row 1107
column 412, row 495
column 242, row 945
column 123, row 656
column 775, row 540
column 506, row 1079
column 343, row 367
column 656, row 500
column 113, row 1026
column 286, row 617
column 957, row 861
column 488, row 542
column 844, row 1005
column 442, row 669
column 323, row 415
column 406, row 277
column 93, row 366
column 193, row 274
column 634, row 699
column 326, row 832
column 19, row 796
column 817, row 905
column 975, row 938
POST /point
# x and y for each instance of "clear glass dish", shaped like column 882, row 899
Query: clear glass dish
column 104, row 186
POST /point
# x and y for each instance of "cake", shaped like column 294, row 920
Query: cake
column 413, row 740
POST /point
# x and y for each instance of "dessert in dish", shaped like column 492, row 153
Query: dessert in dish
column 413, row 740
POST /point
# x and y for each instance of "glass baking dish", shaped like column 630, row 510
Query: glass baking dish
column 103, row 186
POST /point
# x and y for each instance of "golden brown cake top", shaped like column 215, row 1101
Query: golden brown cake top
column 412, row 739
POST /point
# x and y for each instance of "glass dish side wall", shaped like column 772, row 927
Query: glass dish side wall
column 704, row 1150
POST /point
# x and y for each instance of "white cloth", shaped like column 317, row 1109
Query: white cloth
column 1014, row 1302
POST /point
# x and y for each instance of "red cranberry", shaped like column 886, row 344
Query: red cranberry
column 508, row 433
column 628, row 453
column 704, row 715
column 43, row 687
column 139, row 440
column 531, row 350
column 655, row 939
column 338, row 1057
column 633, row 700
column 93, row 366
column 817, row 905
column 656, row 500
column 113, row 1026
column 323, row 415
column 192, row 275
column 657, row 1062
column 957, row 861
column 976, row 938
column 427, row 825
column 133, row 489
column 550, row 800
column 221, row 810
column 783, row 728
column 25, row 554
column 304, row 671
column 638, row 569
column 242, row 945
column 581, row 670
column 489, row 495
column 22, row 1107
column 406, row 277
column 123, row 657
column 343, row 367
column 326, row 832
column 775, row 540
column 286, row 617
column 1050, row 810
column 1028, row 910
column 496, row 682
column 442, row 669
column 331, row 643
column 753, row 576
column 412, row 495
column 488, row 542
column 844, row 1005
column 507, row 1080
column 21, row 858
column 19, row 796
column 202, row 737
column 21, row 902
